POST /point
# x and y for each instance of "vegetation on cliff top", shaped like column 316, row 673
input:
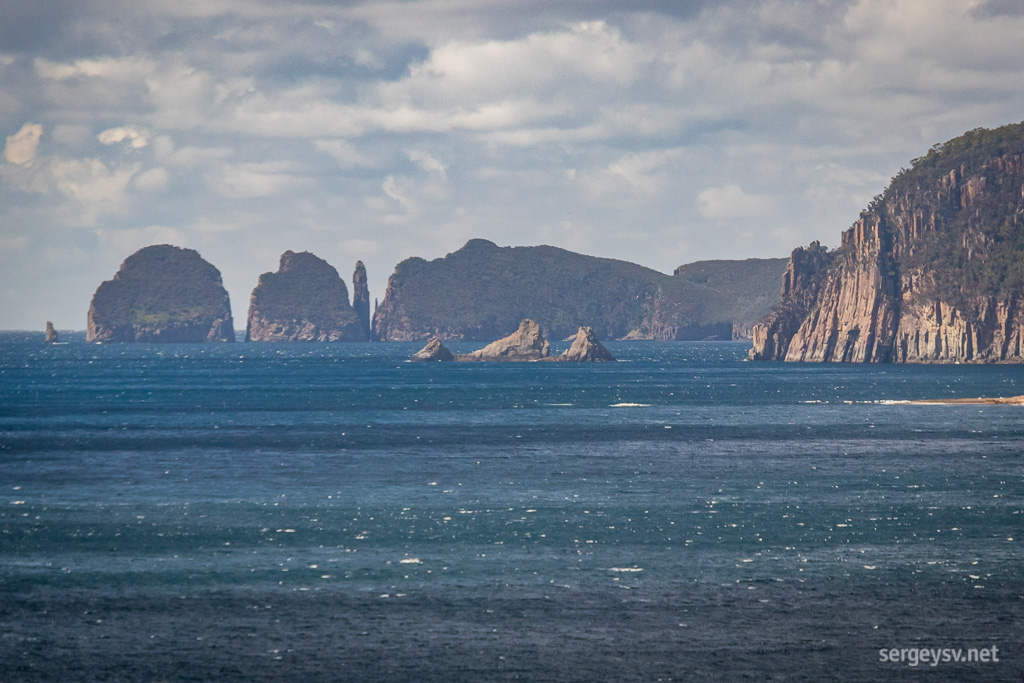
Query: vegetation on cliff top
column 978, row 247
column 158, row 286
column 305, row 289
column 482, row 291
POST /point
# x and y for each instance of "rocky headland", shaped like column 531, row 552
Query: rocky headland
column 161, row 293
column 305, row 300
column 932, row 271
column 480, row 290
column 527, row 343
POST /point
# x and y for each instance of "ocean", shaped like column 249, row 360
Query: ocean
column 332, row 512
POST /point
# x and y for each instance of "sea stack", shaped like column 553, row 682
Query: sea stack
column 305, row 300
column 585, row 348
column 433, row 351
column 525, row 344
column 51, row 334
column 361, row 297
column 162, row 293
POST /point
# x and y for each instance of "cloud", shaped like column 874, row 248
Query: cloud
column 9, row 243
column 99, row 190
column 153, row 180
column 130, row 240
column 136, row 138
column 343, row 153
column 427, row 162
column 194, row 157
column 730, row 201
column 22, row 146
column 251, row 180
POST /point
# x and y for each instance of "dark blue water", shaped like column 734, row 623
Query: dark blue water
column 332, row 512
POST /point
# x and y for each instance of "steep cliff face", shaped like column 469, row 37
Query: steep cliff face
column 361, row 298
column 162, row 294
column 933, row 271
column 305, row 300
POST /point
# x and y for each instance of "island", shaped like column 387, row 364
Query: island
column 478, row 292
column 305, row 300
column 161, row 293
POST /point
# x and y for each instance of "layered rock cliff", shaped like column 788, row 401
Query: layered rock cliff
column 932, row 271
column 305, row 300
column 480, row 290
column 161, row 293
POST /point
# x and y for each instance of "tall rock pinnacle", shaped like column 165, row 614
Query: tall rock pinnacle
column 361, row 297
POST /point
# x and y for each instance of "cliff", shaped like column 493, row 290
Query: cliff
column 161, row 294
column 305, row 300
column 361, row 298
column 480, row 290
column 932, row 271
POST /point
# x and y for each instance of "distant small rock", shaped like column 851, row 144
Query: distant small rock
column 51, row 334
column 433, row 351
column 525, row 344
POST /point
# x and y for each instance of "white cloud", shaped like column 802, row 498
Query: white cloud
column 153, row 180
column 100, row 190
column 427, row 162
column 194, row 157
column 22, row 146
column 730, row 201
column 344, row 154
column 114, row 68
column 135, row 137
column 251, row 180
column 131, row 240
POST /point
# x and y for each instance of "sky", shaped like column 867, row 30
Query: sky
column 659, row 132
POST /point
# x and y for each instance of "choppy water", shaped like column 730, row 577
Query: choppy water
column 331, row 512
